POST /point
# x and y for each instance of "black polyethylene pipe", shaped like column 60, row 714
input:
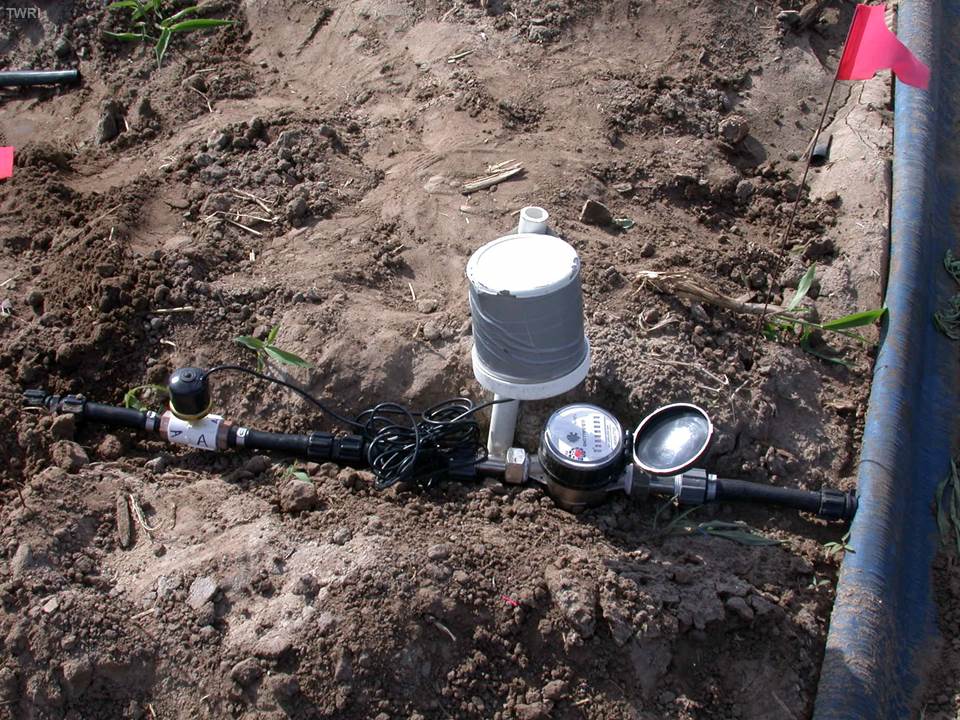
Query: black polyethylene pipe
column 317, row 447
column 110, row 415
column 27, row 78
column 806, row 500
column 277, row 442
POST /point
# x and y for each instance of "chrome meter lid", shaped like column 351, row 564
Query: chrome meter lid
column 582, row 446
column 671, row 439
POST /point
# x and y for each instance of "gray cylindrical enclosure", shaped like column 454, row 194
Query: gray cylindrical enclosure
column 527, row 308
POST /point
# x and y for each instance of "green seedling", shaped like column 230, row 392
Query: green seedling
column 788, row 326
column 738, row 532
column 833, row 549
column 265, row 349
column 818, row 582
column 152, row 21
column 803, row 287
column 297, row 472
column 137, row 398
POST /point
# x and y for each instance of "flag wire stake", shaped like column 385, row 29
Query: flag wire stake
column 778, row 267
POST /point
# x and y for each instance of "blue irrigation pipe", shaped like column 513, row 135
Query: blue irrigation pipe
column 883, row 630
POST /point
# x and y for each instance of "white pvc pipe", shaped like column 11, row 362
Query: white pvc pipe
column 533, row 220
column 503, row 427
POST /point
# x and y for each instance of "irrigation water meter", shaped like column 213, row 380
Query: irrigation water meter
column 582, row 446
column 529, row 344
column 585, row 456
column 582, row 453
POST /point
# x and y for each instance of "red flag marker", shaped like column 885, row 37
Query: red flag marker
column 6, row 162
column 871, row 47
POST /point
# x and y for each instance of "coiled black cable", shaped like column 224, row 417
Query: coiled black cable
column 447, row 437
column 401, row 448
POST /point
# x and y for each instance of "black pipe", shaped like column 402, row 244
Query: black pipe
column 697, row 487
column 124, row 417
column 79, row 405
column 826, row 503
column 278, row 442
column 28, row 78
column 806, row 500
column 316, row 447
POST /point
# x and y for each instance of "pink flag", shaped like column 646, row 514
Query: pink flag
column 871, row 47
column 6, row 162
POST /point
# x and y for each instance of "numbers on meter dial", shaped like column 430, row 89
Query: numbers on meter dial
column 583, row 434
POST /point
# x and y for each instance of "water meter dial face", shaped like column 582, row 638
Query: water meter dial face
column 583, row 436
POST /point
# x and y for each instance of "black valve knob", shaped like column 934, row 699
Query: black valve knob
column 189, row 393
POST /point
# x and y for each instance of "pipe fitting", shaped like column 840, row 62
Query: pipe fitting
column 517, row 466
column 533, row 219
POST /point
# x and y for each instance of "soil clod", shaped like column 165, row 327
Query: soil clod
column 202, row 590
column 596, row 213
column 298, row 496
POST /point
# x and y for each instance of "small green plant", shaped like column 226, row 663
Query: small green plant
column 664, row 509
column 833, row 549
column 297, row 472
column 266, row 349
column 137, row 398
column 788, row 326
column 818, row 582
column 152, row 22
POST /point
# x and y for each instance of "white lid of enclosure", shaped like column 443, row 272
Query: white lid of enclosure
column 525, row 265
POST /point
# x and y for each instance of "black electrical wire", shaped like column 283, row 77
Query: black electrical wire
column 290, row 386
column 446, row 438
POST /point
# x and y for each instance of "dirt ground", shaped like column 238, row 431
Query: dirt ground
column 354, row 124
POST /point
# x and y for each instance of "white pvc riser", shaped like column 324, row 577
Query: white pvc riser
column 503, row 417
column 533, row 220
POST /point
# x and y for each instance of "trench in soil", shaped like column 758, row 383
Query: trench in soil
column 340, row 135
